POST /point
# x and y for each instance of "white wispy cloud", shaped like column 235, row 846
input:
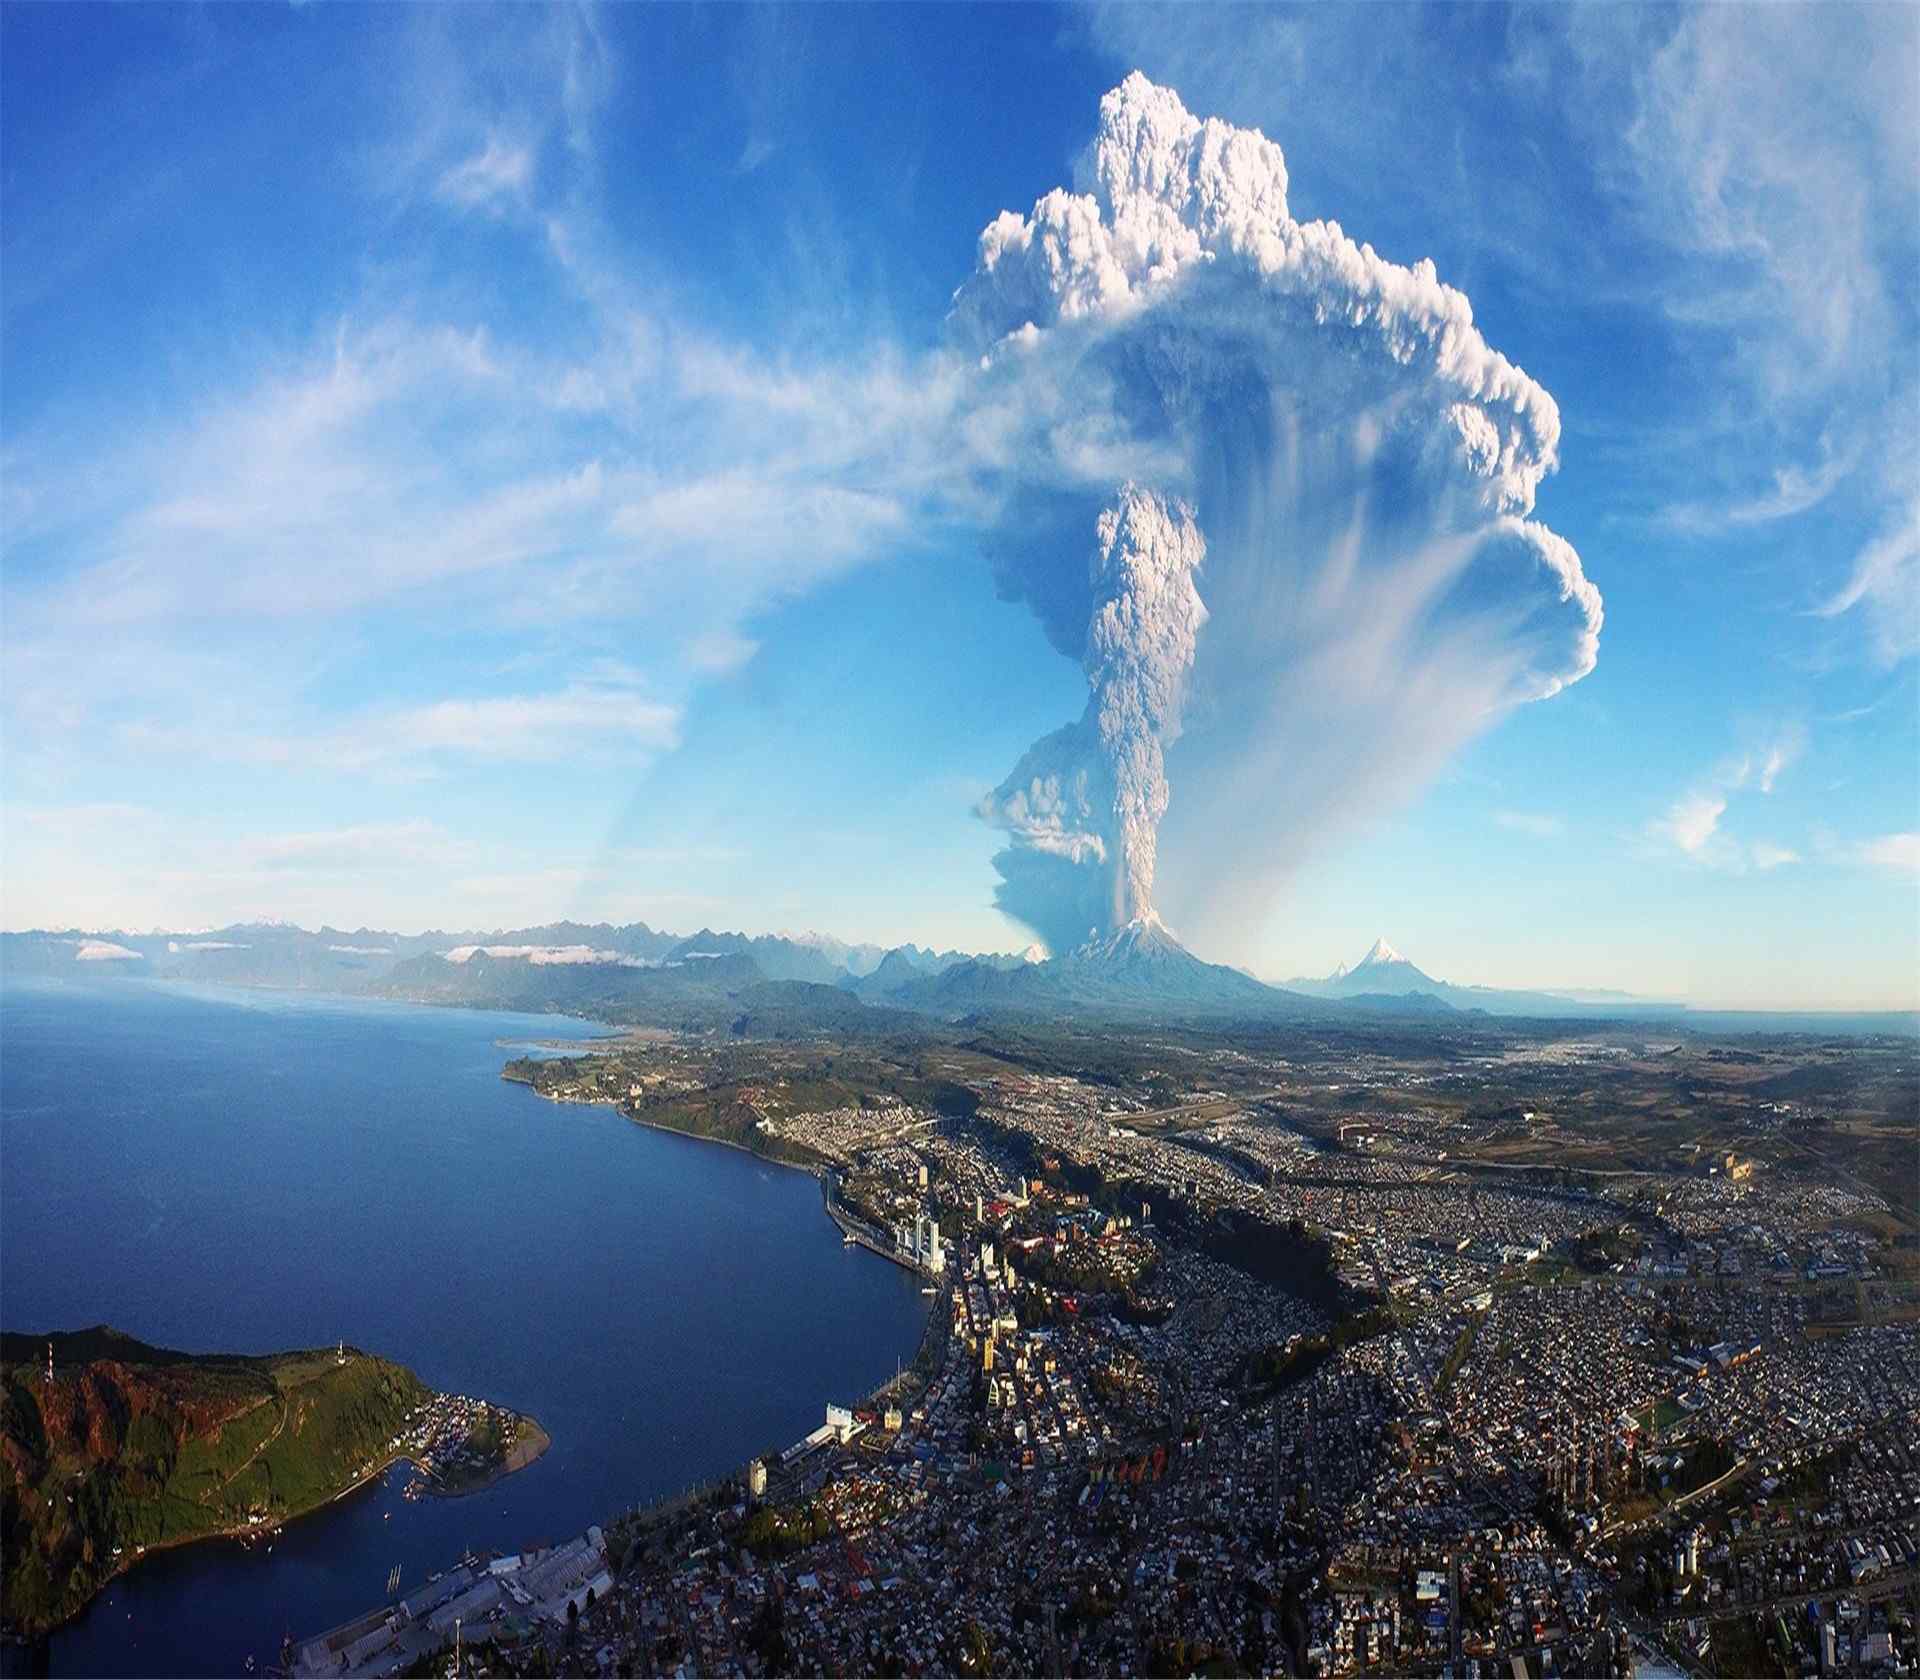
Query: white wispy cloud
column 360, row 847
column 417, row 445
column 1886, row 584
column 520, row 727
column 1542, row 825
column 500, row 172
column 1899, row 853
column 1795, row 488
column 718, row 652
column 183, row 870
column 1778, row 757
column 584, row 720
column 1692, row 821
column 91, row 817
column 1809, row 232
column 395, row 459
column 1732, row 145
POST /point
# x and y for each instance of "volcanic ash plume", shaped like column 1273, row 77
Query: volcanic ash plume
column 1139, row 650
column 1362, row 465
column 1090, row 797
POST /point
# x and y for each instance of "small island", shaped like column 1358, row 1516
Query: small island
column 114, row 1449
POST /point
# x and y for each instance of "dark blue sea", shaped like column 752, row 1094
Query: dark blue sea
column 243, row 1171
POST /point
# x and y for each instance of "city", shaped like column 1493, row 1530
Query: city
column 1333, row 1364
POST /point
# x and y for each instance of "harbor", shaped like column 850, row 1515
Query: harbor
column 926, row 1260
column 506, row 1599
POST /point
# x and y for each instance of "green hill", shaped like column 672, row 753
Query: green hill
column 131, row 1447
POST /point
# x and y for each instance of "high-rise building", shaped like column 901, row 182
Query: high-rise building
column 921, row 1241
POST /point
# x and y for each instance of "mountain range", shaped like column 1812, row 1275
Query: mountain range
column 781, row 983
column 1384, row 973
column 709, row 979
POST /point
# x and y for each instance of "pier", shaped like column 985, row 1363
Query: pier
column 860, row 1232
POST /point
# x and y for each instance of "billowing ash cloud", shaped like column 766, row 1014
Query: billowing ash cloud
column 1273, row 491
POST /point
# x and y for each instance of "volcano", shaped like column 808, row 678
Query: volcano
column 1139, row 968
column 1382, row 970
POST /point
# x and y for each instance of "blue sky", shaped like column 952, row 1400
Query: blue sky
column 466, row 468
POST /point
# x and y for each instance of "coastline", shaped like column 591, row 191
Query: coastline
column 246, row 1533
column 521, row 1454
column 818, row 1170
column 611, row 1035
column 242, row 1533
column 822, row 1172
column 611, row 1030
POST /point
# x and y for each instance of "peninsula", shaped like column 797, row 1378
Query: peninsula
column 114, row 1449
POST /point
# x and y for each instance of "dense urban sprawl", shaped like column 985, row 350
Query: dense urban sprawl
column 1245, row 1383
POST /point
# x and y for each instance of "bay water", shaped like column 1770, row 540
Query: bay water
column 235, row 1171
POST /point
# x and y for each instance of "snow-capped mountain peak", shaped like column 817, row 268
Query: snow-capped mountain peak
column 1145, row 935
column 1382, row 970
